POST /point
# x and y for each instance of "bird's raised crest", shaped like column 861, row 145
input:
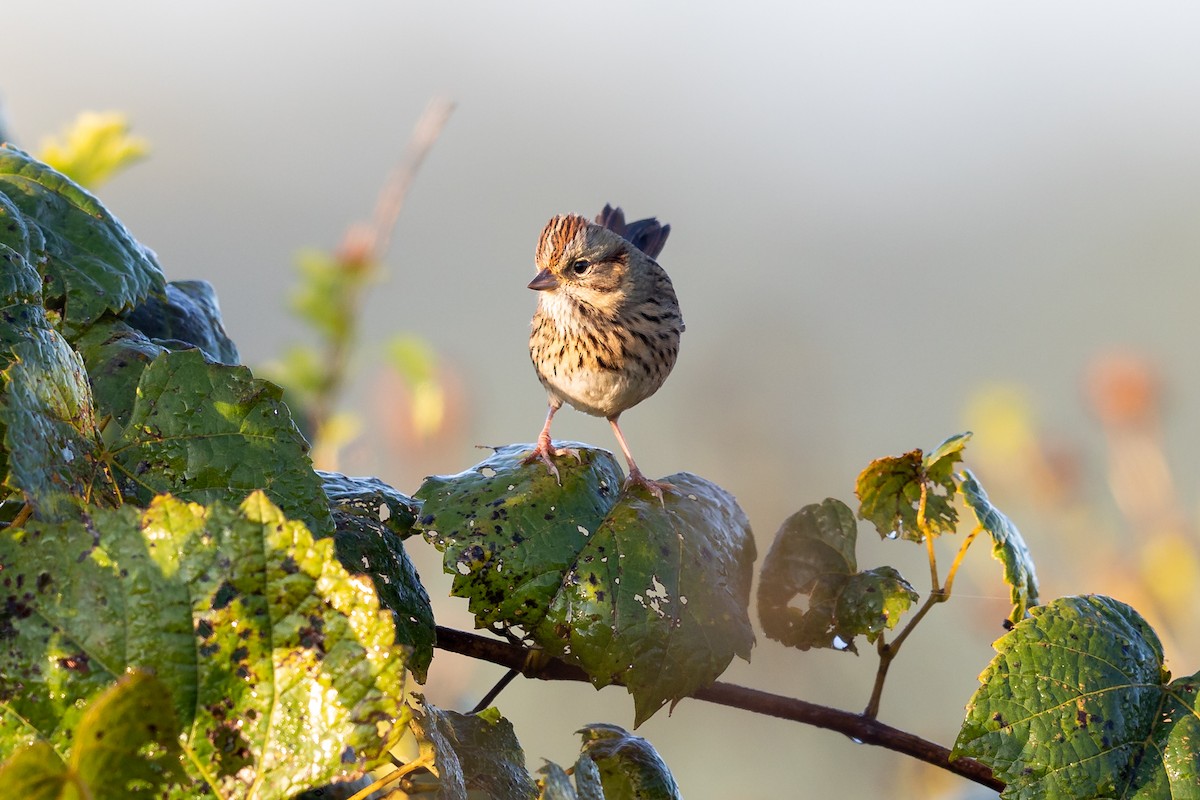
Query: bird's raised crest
column 557, row 236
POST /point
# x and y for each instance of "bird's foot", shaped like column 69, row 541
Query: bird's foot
column 636, row 478
column 546, row 452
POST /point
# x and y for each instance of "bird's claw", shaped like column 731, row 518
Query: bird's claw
column 546, row 453
column 636, row 478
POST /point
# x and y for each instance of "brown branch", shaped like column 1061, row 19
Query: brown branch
column 534, row 664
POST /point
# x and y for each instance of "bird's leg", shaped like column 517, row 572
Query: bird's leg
column 636, row 478
column 545, row 451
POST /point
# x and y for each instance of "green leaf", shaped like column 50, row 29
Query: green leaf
column 50, row 437
column 474, row 752
column 508, row 532
column 186, row 314
column 630, row 768
column 35, row 772
column 1076, row 704
column 890, row 489
column 126, row 746
column 813, row 555
column 369, row 543
column 657, row 598
column 556, row 784
column 208, row 432
column 94, row 148
column 1008, row 547
column 89, row 261
column 372, row 501
column 115, row 356
column 939, row 465
column 646, row 593
column 280, row 665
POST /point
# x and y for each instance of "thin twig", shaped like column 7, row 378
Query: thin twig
column 495, row 691
column 962, row 551
column 858, row 727
column 426, row 760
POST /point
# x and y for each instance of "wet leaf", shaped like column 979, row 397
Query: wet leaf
column 636, row 591
column 1077, row 703
column 890, row 489
column 115, row 356
column 474, row 752
column 207, row 432
column 1008, row 547
column 371, row 519
column 556, row 784
column 89, row 261
column 126, row 746
column 629, row 766
column 269, row 649
column 373, row 501
column 51, row 444
column 814, row 555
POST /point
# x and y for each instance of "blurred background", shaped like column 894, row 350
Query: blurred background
column 890, row 223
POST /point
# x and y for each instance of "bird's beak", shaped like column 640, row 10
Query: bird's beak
column 544, row 281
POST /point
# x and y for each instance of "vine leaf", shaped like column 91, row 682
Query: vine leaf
column 187, row 314
column 50, row 437
column 556, row 784
column 813, row 555
column 1008, row 547
column 633, row 590
column 269, row 649
column 370, row 520
column 508, row 532
column 473, row 752
column 629, row 766
column 126, row 745
column 889, row 491
column 115, row 356
column 88, row 260
column 1077, row 703
column 207, row 432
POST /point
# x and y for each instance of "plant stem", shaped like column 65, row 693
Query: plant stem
column 425, row 760
column 962, row 551
column 495, row 691
column 888, row 651
column 858, row 727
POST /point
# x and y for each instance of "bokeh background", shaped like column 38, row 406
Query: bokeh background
column 890, row 222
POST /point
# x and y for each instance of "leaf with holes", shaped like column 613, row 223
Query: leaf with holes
column 126, row 746
column 813, row 555
column 890, row 491
column 1077, row 703
column 370, row 519
column 271, row 652
column 636, row 591
column 207, row 432
column 508, row 531
column 1008, row 547
column 657, row 597
column 89, row 261
column 474, row 752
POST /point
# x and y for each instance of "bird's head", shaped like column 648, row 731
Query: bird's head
column 588, row 262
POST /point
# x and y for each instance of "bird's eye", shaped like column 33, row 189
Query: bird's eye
column 581, row 266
